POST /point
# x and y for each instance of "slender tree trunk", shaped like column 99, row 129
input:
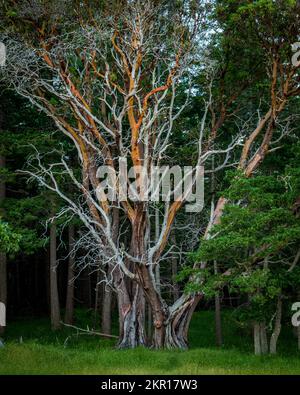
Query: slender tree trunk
column 263, row 338
column 106, row 310
column 97, row 298
column 277, row 327
column 47, row 279
column 218, row 322
column 3, row 263
column 263, row 329
column 3, row 285
column 256, row 336
column 260, row 338
column 86, row 288
column 298, row 327
column 36, row 280
column 106, row 315
column 18, row 294
column 69, row 314
column 54, row 298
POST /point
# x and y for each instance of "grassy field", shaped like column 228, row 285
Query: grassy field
column 31, row 348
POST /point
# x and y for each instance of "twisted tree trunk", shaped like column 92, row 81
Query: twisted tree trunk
column 178, row 322
column 170, row 324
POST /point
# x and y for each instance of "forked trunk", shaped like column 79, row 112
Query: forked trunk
column 170, row 324
column 106, row 311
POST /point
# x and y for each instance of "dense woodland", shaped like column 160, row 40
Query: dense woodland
column 210, row 83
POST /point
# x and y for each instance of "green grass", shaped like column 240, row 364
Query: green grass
column 32, row 348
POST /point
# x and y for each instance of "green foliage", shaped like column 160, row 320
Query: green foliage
column 255, row 242
column 258, row 217
column 9, row 239
column 27, row 206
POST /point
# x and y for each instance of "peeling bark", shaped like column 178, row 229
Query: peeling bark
column 178, row 322
column 132, row 317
